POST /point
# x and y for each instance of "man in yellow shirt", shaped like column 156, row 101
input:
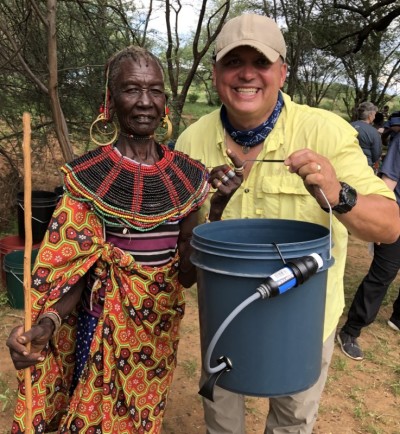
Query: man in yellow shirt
column 320, row 166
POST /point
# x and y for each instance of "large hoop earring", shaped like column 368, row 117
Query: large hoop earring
column 166, row 124
column 102, row 130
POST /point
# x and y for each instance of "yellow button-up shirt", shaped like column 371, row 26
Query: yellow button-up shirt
column 271, row 191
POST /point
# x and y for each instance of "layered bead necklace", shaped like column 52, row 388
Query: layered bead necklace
column 123, row 192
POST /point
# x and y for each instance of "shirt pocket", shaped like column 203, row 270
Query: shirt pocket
column 285, row 197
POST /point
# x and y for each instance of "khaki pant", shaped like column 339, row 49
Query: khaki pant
column 288, row 414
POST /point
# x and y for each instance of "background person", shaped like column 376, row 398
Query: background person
column 368, row 137
column 108, row 282
column 385, row 112
column 379, row 122
column 388, row 133
column 383, row 270
column 321, row 151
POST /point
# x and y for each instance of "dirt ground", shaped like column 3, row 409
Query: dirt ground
column 360, row 397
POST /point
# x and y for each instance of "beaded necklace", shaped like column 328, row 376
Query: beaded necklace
column 133, row 137
column 249, row 138
column 126, row 193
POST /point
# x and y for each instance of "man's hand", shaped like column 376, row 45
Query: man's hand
column 318, row 174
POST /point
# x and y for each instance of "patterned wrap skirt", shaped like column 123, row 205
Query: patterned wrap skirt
column 124, row 385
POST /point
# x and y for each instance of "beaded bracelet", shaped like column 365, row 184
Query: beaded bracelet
column 54, row 316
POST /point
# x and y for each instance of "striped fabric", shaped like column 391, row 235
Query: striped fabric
column 154, row 248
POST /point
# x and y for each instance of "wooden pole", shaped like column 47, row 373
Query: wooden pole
column 26, row 120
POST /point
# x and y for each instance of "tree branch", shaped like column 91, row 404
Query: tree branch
column 38, row 13
column 365, row 12
column 378, row 25
column 25, row 66
column 59, row 119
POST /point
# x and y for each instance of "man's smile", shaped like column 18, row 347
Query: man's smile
column 247, row 90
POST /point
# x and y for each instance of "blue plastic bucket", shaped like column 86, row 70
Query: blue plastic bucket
column 275, row 345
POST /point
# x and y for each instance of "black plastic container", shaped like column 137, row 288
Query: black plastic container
column 43, row 206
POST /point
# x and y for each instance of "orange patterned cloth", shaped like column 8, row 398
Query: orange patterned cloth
column 124, row 386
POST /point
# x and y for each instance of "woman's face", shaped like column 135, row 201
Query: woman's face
column 138, row 98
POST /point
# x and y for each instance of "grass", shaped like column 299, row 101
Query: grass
column 251, row 407
column 3, row 299
column 359, row 412
column 191, row 296
column 395, row 388
column 7, row 396
column 194, row 111
column 339, row 364
column 190, row 367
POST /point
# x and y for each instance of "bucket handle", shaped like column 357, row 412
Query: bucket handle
column 33, row 218
column 295, row 273
column 12, row 272
column 330, row 222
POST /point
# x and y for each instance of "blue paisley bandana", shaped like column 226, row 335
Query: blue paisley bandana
column 249, row 138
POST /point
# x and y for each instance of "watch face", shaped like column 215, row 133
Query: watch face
column 348, row 195
column 347, row 199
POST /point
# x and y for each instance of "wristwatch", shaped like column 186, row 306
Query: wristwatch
column 347, row 199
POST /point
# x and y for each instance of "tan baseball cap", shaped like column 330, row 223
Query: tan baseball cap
column 257, row 31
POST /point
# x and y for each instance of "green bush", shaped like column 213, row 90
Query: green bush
column 193, row 97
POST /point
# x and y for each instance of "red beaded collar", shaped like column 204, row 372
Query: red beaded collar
column 124, row 192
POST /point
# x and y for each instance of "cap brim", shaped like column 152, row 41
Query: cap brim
column 268, row 52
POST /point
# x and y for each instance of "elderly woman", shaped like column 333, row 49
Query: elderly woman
column 108, row 282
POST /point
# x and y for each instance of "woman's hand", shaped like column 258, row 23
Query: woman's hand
column 38, row 336
column 226, row 180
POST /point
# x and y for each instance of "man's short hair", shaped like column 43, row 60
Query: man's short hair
column 365, row 109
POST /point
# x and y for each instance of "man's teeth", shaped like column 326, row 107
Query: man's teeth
column 246, row 90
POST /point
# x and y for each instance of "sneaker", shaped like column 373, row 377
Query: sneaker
column 349, row 346
column 394, row 324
